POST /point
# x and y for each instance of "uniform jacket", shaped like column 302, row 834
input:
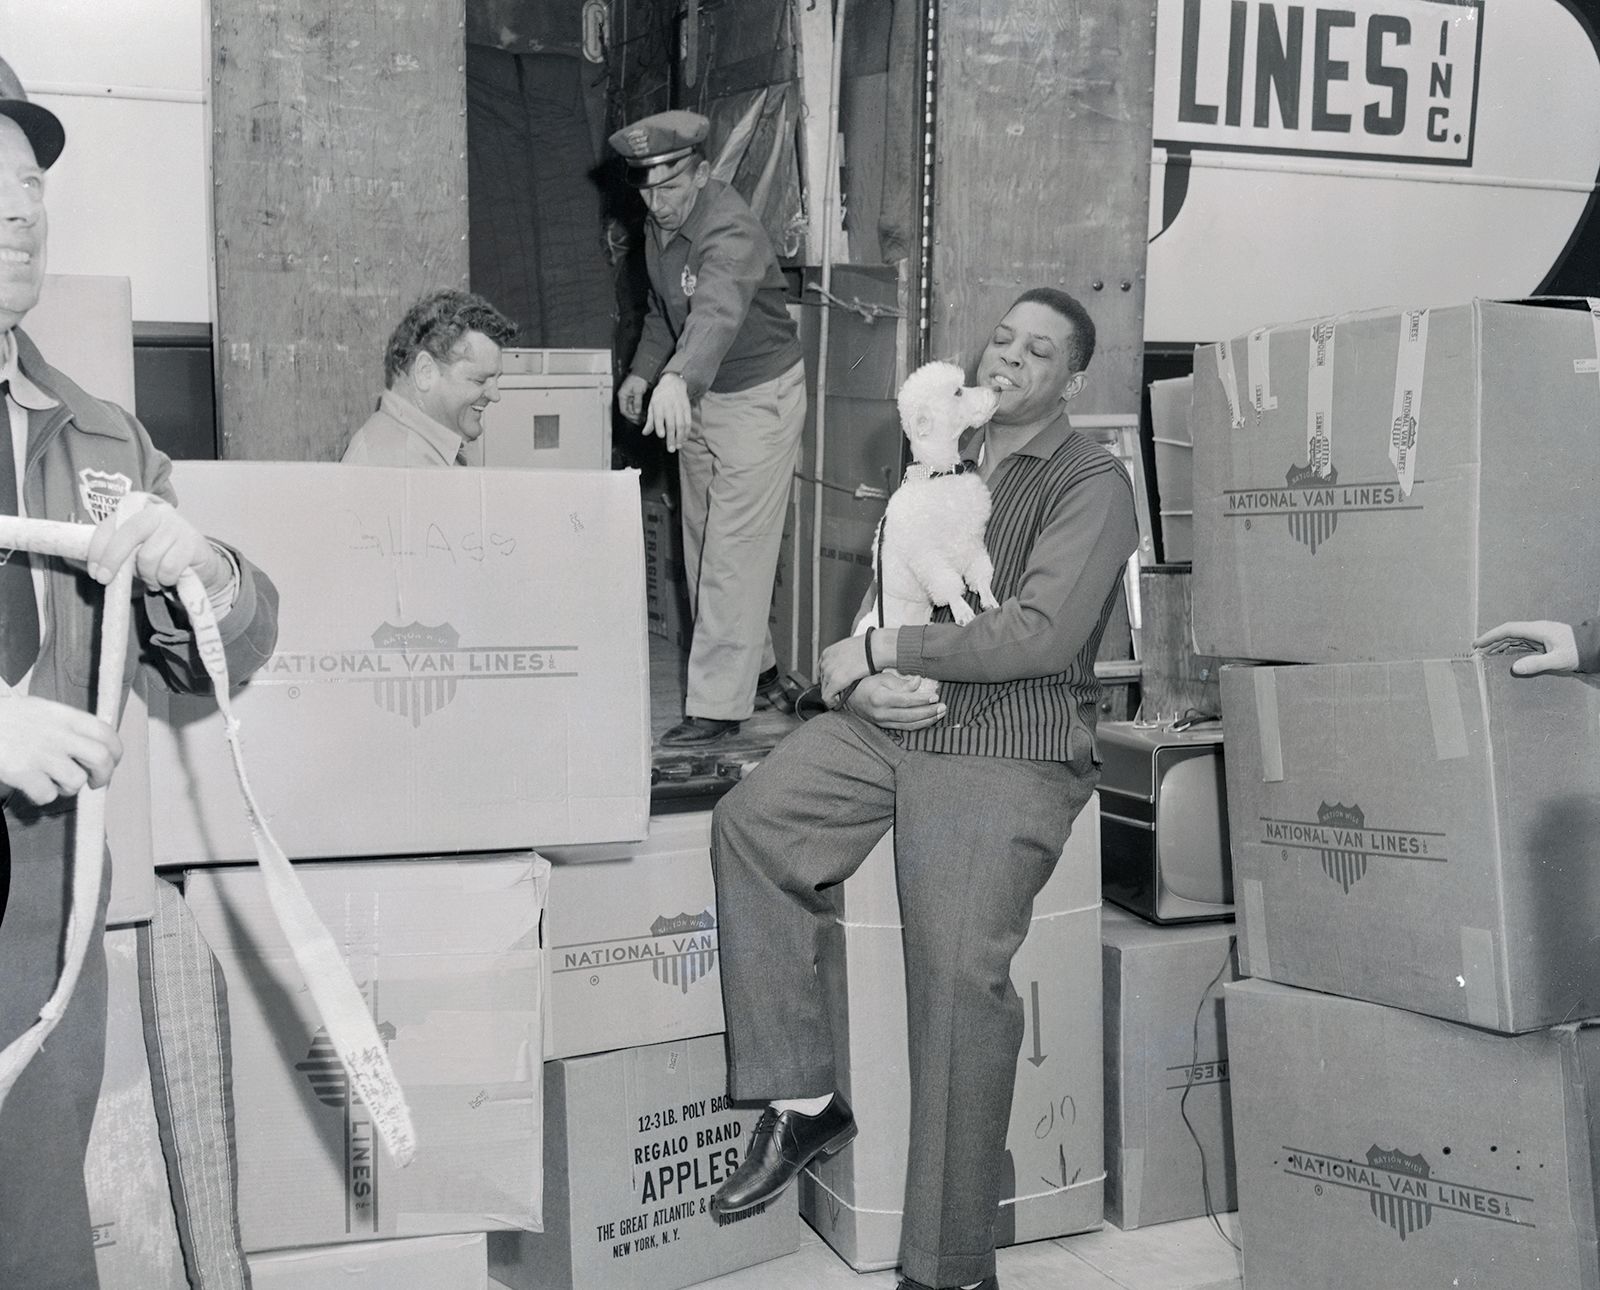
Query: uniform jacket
column 718, row 313
column 83, row 454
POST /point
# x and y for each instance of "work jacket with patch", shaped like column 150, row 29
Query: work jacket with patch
column 86, row 450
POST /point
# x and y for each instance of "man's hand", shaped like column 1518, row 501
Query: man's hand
column 845, row 662
column 670, row 414
column 630, row 397
column 897, row 702
column 48, row 750
column 1560, row 646
column 163, row 545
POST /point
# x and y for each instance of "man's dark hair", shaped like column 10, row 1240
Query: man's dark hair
column 436, row 323
column 1073, row 312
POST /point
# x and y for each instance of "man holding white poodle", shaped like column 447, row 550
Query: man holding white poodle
column 979, row 749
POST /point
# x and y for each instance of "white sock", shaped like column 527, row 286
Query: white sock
column 804, row 1105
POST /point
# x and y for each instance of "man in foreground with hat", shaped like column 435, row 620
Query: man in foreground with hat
column 724, row 357
column 67, row 454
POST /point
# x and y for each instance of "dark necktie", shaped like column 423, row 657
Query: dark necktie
column 19, row 615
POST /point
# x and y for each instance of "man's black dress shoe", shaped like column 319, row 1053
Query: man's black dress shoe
column 692, row 732
column 784, row 1143
column 906, row 1283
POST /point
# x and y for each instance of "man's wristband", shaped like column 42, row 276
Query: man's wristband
column 872, row 666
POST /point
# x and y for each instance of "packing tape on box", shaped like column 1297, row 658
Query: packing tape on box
column 1268, row 735
column 1258, row 352
column 1254, row 945
column 344, row 1012
column 860, row 925
column 1585, row 365
column 1230, row 383
column 1444, row 710
column 1319, row 399
column 1075, row 1185
column 1407, row 411
column 1132, row 1185
column 1479, row 979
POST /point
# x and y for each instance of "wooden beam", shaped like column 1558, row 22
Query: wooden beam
column 1042, row 178
column 339, row 165
column 816, row 72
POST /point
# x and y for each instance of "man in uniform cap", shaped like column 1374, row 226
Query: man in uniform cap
column 724, row 357
column 67, row 454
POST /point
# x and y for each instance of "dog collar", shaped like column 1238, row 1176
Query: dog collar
column 960, row 468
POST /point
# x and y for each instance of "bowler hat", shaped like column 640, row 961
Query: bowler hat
column 40, row 124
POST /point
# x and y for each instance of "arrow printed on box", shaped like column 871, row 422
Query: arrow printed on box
column 1038, row 1058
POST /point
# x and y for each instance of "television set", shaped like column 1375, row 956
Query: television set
column 1164, row 821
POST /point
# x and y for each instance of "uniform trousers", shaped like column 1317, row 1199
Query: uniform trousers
column 976, row 838
column 45, row 1238
column 735, row 468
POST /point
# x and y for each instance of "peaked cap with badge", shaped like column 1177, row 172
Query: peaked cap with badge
column 659, row 140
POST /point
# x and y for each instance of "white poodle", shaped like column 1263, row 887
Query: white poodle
column 930, row 547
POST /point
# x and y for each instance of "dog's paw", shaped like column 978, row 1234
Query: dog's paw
column 986, row 599
column 961, row 611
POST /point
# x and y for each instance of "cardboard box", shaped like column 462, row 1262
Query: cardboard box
column 461, row 665
column 1174, row 456
column 1424, row 835
column 665, row 588
column 1169, row 1120
column 632, row 936
column 1380, row 1149
column 130, row 1203
column 447, row 954
column 1054, row 1150
column 637, row 1142
column 457, row 1262
column 1325, row 554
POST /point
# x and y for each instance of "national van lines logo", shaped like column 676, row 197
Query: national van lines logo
column 101, row 491
column 416, row 669
column 1345, row 865
column 1346, row 843
column 688, row 282
column 416, row 696
column 681, row 950
column 330, row 1084
column 1313, row 502
column 1402, row 1191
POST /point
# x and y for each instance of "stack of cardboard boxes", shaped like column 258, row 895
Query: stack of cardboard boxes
column 453, row 685
column 1055, row 1171
column 1166, row 955
column 639, row 1133
column 1416, row 832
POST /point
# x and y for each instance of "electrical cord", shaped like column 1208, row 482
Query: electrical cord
column 1183, row 1102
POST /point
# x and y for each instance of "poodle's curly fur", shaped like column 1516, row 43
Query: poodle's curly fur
column 932, row 532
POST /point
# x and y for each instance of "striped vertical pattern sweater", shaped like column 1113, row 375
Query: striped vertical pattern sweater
column 1019, row 681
